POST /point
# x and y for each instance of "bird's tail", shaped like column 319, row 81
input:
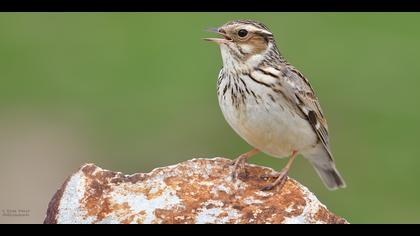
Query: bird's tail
column 325, row 167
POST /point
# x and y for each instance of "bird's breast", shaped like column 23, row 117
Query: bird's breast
column 262, row 117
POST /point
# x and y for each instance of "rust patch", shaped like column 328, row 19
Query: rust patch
column 153, row 195
column 164, row 216
column 323, row 215
column 88, row 169
column 96, row 199
column 129, row 219
column 135, row 178
column 192, row 195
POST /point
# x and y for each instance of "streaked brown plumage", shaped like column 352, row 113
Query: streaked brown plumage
column 269, row 103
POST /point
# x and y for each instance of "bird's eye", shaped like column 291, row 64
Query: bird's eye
column 242, row 33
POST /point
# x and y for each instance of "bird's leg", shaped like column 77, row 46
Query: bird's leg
column 281, row 180
column 239, row 163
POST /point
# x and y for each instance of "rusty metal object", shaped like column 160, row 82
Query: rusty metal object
column 195, row 191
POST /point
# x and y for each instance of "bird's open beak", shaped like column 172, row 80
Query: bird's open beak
column 219, row 31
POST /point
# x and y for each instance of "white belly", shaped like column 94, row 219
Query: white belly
column 268, row 126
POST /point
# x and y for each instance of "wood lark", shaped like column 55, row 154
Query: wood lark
column 269, row 103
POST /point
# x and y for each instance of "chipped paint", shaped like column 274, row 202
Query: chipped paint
column 196, row 191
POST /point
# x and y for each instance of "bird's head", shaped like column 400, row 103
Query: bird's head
column 243, row 42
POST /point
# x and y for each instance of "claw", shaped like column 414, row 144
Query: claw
column 230, row 163
column 267, row 188
column 239, row 168
column 269, row 176
column 243, row 174
column 280, row 181
column 233, row 175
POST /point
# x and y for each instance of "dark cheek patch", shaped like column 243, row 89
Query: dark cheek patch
column 259, row 44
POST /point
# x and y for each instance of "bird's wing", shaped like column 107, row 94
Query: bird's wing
column 306, row 102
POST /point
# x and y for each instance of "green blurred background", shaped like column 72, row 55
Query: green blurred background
column 135, row 91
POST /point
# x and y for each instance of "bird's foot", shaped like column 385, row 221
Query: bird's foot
column 280, row 181
column 239, row 170
column 239, row 164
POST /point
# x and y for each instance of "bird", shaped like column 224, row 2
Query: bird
column 270, row 103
